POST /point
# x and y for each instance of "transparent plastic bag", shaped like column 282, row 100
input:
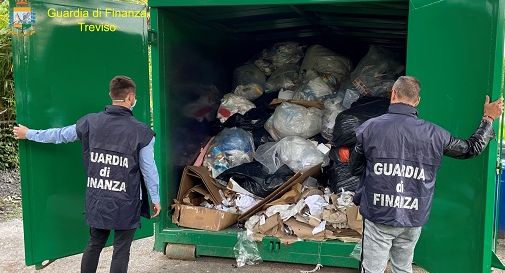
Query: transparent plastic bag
column 285, row 77
column 230, row 148
column 232, row 104
column 315, row 89
column 350, row 97
column 320, row 61
column 294, row 120
column 376, row 72
column 332, row 107
column 297, row 153
column 356, row 252
column 278, row 55
column 249, row 81
column 246, row 250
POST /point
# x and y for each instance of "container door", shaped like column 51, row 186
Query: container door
column 455, row 50
column 64, row 58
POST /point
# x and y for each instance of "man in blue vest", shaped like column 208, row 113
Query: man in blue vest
column 118, row 153
column 398, row 155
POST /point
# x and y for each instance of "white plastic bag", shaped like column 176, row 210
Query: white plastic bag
column 294, row 120
column 297, row 153
column 232, row 104
column 332, row 107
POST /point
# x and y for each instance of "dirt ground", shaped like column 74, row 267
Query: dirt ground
column 143, row 258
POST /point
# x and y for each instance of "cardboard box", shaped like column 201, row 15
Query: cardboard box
column 197, row 185
column 193, row 176
column 202, row 218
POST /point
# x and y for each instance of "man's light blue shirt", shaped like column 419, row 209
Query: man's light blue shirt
column 69, row 134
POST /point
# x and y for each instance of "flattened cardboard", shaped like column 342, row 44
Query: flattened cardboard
column 304, row 231
column 271, row 225
column 306, row 103
column 193, row 176
column 290, row 197
column 299, row 177
column 202, row 218
column 354, row 219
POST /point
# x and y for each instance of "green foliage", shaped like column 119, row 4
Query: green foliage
column 8, row 145
column 8, row 149
column 7, row 101
column 4, row 15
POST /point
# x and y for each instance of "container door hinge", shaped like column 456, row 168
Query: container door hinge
column 152, row 37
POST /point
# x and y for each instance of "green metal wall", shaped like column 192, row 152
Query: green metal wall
column 458, row 62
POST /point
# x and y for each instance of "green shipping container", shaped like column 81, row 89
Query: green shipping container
column 455, row 48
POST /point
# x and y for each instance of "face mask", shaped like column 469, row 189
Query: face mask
column 133, row 105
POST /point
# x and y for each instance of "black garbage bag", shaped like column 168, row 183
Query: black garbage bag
column 254, row 178
column 339, row 176
column 251, row 120
column 346, row 123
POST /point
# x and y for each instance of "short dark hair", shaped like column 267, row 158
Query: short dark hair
column 120, row 86
column 407, row 87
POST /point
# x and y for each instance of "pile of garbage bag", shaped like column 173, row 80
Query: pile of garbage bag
column 278, row 159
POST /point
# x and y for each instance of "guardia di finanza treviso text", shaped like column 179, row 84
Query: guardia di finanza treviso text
column 96, row 13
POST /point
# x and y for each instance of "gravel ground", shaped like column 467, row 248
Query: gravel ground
column 10, row 195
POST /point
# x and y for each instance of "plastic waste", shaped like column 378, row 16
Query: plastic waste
column 246, row 250
column 278, row 55
column 249, row 81
column 255, row 178
column 314, row 89
column 230, row 148
column 285, row 77
column 332, row 107
column 297, row 153
column 346, row 123
column 232, row 104
column 286, row 94
column 350, row 97
column 356, row 252
column 294, row 120
column 321, row 61
column 376, row 72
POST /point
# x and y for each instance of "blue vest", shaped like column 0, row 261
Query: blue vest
column 402, row 154
column 111, row 142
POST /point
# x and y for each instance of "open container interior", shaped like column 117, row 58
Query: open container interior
column 204, row 45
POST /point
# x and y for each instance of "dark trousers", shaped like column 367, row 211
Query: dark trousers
column 120, row 255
